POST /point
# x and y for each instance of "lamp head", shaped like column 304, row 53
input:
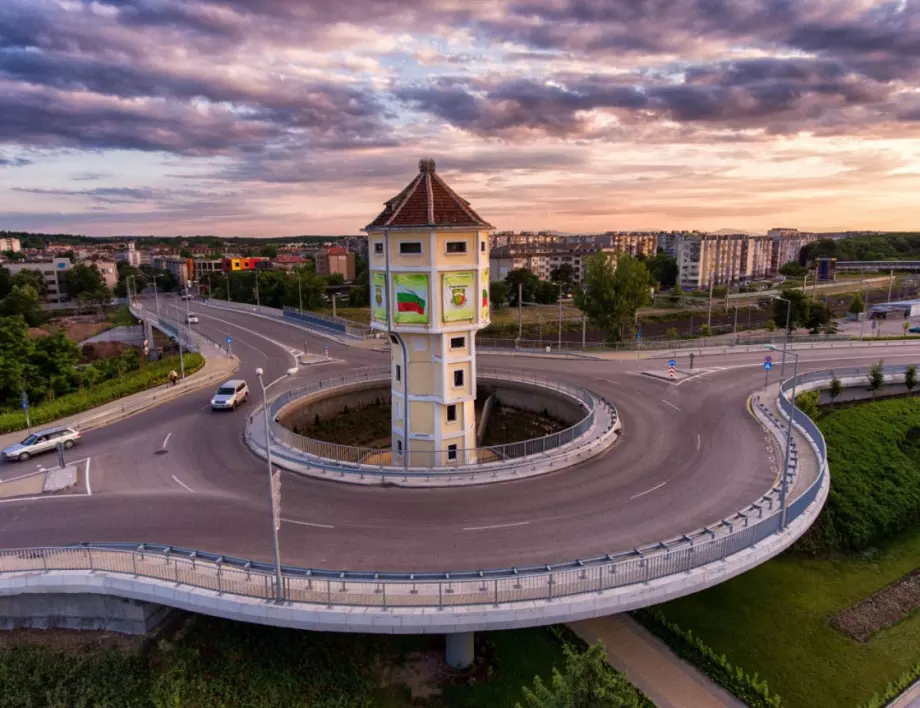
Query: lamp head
column 259, row 372
column 293, row 370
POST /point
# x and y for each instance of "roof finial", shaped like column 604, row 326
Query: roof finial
column 426, row 164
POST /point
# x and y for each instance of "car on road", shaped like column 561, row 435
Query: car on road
column 41, row 441
column 186, row 296
column 231, row 394
column 191, row 318
column 914, row 330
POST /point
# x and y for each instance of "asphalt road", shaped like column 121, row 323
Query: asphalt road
column 690, row 455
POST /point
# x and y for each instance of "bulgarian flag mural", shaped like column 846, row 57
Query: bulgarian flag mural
column 411, row 298
column 484, row 287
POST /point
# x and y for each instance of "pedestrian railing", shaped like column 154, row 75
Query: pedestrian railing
column 324, row 587
column 435, row 461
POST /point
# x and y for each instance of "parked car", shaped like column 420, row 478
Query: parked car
column 41, row 441
column 914, row 330
column 191, row 318
column 231, row 394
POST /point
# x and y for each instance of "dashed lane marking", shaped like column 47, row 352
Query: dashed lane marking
column 647, row 491
column 308, row 523
column 496, row 526
column 668, row 403
column 181, row 483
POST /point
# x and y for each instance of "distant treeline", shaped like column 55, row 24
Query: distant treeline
column 884, row 247
column 33, row 240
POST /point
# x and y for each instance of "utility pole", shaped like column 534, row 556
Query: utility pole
column 520, row 311
column 712, row 282
column 559, row 343
column 584, row 327
column 890, row 283
column 299, row 294
column 156, row 297
column 735, row 330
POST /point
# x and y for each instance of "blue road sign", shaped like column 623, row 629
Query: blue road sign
column 671, row 362
column 229, row 340
column 768, row 365
column 25, row 400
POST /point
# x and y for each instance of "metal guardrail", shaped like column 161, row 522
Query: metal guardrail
column 344, row 327
column 225, row 574
column 654, row 344
column 434, row 461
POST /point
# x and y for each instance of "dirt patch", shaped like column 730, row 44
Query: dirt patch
column 70, row 640
column 366, row 426
column 421, row 672
column 508, row 425
column 881, row 610
column 94, row 351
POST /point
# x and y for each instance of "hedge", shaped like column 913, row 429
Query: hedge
column 749, row 688
column 153, row 374
column 894, row 689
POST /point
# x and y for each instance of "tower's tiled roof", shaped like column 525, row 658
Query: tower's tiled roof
column 427, row 201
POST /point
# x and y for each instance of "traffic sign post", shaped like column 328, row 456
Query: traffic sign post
column 326, row 351
column 767, row 365
column 671, row 365
column 25, row 407
column 229, row 341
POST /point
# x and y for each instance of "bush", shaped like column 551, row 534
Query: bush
column 152, row 375
column 808, row 403
column 771, row 326
column 705, row 331
column 874, row 457
column 672, row 333
column 749, row 688
column 894, row 689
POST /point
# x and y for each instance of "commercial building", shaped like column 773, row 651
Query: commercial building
column 230, row 265
column 336, row 260
column 8, row 243
column 53, row 271
column 429, row 278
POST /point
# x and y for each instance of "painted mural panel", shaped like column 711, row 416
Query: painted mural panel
column 458, row 296
column 412, row 298
column 379, row 295
column 484, row 288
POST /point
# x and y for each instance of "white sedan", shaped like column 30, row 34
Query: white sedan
column 191, row 318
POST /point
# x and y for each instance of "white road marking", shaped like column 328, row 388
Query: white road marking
column 648, row 491
column 697, row 441
column 615, row 383
column 168, row 435
column 307, row 523
column 181, row 483
column 22, row 476
column 89, row 489
column 668, row 403
column 496, row 526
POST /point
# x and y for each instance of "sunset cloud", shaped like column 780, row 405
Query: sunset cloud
column 292, row 116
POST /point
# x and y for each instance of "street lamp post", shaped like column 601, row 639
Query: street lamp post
column 271, row 496
column 782, row 370
column 156, row 297
column 785, row 482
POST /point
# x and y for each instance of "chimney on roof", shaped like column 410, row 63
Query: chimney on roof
column 426, row 164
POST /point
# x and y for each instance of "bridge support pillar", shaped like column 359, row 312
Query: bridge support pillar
column 460, row 650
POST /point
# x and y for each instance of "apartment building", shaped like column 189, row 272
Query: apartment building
column 53, row 271
column 786, row 245
column 179, row 267
column 10, row 244
column 542, row 259
column 336, row 260
column 716, row 259
column 106, row 266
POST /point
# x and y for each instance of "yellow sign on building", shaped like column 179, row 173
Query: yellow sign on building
column 458, row 296
column 379, row 296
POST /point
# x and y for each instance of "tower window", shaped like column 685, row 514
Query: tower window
column 452, row 452
column 398, row 372
column 452, row 413
column 482, row 246
column 458, row 377
column 456, row 246
column 410, row 248
column 378, row 248
column 457, row 342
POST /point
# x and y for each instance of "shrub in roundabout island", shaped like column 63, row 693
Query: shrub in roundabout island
column 153, row 374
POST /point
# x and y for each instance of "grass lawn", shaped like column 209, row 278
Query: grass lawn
column 121, row 317
column 774, row 619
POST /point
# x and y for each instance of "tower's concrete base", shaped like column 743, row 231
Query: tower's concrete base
column 459, row 649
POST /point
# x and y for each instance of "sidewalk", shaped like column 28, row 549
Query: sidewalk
column 670, row 682
column 217, row 367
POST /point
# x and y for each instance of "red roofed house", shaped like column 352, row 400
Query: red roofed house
column 288, row 262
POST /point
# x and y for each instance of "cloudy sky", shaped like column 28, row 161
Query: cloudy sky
column 278, row 117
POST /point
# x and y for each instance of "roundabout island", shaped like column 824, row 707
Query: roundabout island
column 648, row 491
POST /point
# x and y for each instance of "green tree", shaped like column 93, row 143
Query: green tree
column 819, row 315
column 836, row 388
column 52, row 365
column 672, row 333
column 611, row 294
column 910, row 377
column 360, row 294
column 770, row 325
column 32, row 278
column 663, row 269
column 793, row 270
column 6, row 282
column 905, row 325
column 564, row 275
column 498, row 294
column 185, row 253
column 801, row 309
column 876, row 378
column 15, row 353
column 586, row 681
column 23, row 301
column 808, row 403
column 856, row 305
column 85, row 279
column 677, row 293
column 268, row 251
column 335, row 279
column 547, row 293
column 528, row 282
